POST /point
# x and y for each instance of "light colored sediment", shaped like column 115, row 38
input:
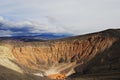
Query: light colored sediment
column 54, row 58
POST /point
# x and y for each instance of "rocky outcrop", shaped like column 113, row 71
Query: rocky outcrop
column 91, row 53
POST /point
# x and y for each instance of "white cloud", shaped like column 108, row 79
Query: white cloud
column 5, row 33
column 70, row 16
column 1, row 18
column 8, row 28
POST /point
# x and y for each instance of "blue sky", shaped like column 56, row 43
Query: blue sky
column 58, row 16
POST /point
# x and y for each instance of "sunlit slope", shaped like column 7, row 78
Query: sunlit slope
column 78, row 54
column 6, row 58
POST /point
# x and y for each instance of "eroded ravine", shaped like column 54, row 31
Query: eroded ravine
column 54, row 58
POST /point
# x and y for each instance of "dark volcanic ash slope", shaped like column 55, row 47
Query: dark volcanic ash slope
column 87, row 54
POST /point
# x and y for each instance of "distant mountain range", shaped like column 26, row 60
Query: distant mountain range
column 42, row 36
column 94, row 56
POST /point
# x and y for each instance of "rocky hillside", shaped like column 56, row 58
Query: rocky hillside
column 96, row 53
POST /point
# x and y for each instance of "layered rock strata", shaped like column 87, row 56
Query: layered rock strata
column 91, row 53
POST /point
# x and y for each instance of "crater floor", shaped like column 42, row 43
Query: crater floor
column 95, row 54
